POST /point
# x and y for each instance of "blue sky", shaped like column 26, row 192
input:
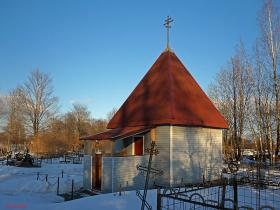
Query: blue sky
column 97, row 51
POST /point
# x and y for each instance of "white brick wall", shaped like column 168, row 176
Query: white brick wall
column 124, row 173
column 87, row 171
column 196, row 151
column 161, row 161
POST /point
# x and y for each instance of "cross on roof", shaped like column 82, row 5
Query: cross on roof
column 167, row 25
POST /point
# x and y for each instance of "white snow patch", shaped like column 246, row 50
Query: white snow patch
column 20, row 189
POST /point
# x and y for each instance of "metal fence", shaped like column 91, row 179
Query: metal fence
column 257, row 188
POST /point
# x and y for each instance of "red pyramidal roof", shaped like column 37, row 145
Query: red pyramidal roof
column 168, row 94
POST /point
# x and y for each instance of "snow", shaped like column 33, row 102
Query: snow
column 17, row 179
column 111, row 201
column 51, row 201
column 20, row 189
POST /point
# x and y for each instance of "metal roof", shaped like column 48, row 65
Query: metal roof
column 118, row 133
column 168, row 94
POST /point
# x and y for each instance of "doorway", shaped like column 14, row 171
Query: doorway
column 97, row 171
column 138, row 145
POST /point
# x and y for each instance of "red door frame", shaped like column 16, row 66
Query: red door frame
column 138, row 142
column 96, row 171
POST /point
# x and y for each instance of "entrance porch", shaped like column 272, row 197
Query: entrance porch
column 110, row 160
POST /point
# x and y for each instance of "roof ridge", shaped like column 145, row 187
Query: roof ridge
column 171, row 84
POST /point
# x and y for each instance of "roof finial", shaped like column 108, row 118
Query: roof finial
column 167, row 25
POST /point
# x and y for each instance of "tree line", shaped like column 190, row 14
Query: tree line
column 31, row 118
column 246, row 90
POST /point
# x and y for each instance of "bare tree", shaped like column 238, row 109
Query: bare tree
column 71, row 134
column 82, row 119
column 15, row 119
column 38, row 102
column 231, row 93
column 111, row 114
column 270, row 40
column 98, row 125
column 78, row 124
column 54, row 139
column 3, row 108
column 249, row 96
column 261, row 115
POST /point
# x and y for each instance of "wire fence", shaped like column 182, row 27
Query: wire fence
column 62, row 183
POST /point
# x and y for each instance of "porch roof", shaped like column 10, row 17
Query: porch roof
column 118, row 133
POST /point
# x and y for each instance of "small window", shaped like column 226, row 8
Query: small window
column 138, row 145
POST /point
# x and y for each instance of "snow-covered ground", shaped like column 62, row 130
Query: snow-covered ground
column 20, row 189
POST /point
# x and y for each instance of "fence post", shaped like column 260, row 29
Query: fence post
column 72, row 192
column 235, row 192
column 62, row 174
column 46, row 177
column 57, row 190
column 38, row 175
column 120, row 192
column 222, row 204
column 158, row 199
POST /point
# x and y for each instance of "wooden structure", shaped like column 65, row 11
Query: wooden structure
column 169, row 104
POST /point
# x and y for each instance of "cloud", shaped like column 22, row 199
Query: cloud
column 85, row 101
